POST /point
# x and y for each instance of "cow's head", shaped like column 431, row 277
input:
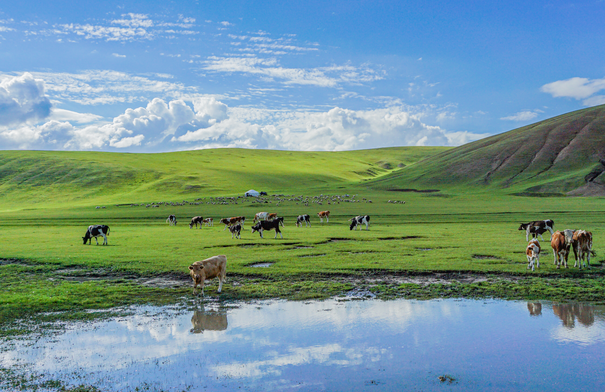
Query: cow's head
column 85, row 238
column 523, row 226
column 196, row 270
column 256, row 227
column 353, row 224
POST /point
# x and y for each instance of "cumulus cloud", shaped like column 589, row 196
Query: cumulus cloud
column 525, row 115
column 22, row 100
column 577, row 88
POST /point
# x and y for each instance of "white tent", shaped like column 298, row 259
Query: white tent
column 252, row 192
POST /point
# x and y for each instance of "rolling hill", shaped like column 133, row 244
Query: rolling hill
column 46, row 178
column 558, row 156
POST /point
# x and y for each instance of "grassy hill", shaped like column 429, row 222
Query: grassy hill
column 46, row 178
column 560, row 155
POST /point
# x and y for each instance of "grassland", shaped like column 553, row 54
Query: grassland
column 455, row 242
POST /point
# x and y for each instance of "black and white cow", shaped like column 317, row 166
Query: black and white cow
column 306, row 219
column 171, row 219
column 95, row 231
column 236, row 231
column 360, row 220
column 195, row 221
column 269, row 225
column 537, row 228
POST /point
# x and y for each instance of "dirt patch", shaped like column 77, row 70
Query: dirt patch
column 317, row 255
column 410, row 237
column 486, row 257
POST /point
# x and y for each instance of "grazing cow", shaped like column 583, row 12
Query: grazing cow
column 232, row 221
column 269, row 225
column 236, row 231
column 360, row 220
column 172, row 220
column 560, row 248
column 195, row 220
column 533, row 254
column 260, row 216
column 582, row 248
column 537, row 228
column 306, row 219
column 322, row 215
column 213, row 267
column 209, row 222
column 95, row 231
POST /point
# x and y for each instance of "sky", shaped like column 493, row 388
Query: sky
column 158, row 76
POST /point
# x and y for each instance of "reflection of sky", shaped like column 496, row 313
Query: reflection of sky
column 328, row 345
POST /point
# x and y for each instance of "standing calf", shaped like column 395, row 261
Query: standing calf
column 537, row 228
column 195, row 220
column 213, row 267
column 236, row 231
column 582, row 247
column 533, row 254
column 560, row 248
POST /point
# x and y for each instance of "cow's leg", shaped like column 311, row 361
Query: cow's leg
column 538, row 260
column 97, row 239
column 541, row 236
column 588, row 259
column 220, row 283
column 527, row 233
column 225, row 227
column 104, row 238
column 555, row 253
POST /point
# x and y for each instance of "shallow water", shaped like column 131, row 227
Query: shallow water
column 330, row 345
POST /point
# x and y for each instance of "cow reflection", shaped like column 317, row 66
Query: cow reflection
column 535, row 308
column 568, row 313
column 208, row 320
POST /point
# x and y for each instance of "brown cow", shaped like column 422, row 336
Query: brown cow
column 322, row 215
column 213, row 267
column 582, row 247
column 232, row 221
column 209, row 222
column 560, row 248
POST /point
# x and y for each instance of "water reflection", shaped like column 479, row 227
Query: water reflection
column 327, row 345
column 211, row 320
column 568, row 313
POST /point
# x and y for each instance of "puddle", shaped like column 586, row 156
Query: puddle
column 342, row 344
column 260, row 265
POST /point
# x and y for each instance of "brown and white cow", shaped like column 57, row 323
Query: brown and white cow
column 195, row 220
column 582, row 247
column 560, row 247
column 324, row 214
column 533, row 254
column 259, row 216
column 228, row 222
column 212, row 267
column 209, row 222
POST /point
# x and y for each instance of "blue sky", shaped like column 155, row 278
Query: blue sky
column 150, row 76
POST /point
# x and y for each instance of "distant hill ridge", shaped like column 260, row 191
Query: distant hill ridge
column 560, row 155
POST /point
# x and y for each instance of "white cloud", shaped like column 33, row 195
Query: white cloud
column 22, row 100
column 68, row 115
column 118, row 55
column 135, row 28
column 525, row 115
column 577, row 88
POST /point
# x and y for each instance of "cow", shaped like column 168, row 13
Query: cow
column 537, row 228
column 306, row 219
column 533, row 254
column 269, row 225
column 360, row 220
column 271, row 216
column 582, row 248
column 171, row 220
column 95, row 231
column 322, row 215
column 236, row 231
column 212, row 267
column 560, row 248
column 260, row 216
column 195, row 220
column 209, row 222
column 232, row 221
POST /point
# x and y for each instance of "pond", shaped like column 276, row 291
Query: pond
column 334, row 345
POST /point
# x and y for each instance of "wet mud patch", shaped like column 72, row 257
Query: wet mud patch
column 332, row 240
column 486, row 257
column 315, row 255
column 409, row 237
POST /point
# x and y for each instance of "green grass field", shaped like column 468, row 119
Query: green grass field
column 452, row 233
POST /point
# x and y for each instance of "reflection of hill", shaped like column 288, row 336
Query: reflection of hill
column 211, row 320
column 568, row 313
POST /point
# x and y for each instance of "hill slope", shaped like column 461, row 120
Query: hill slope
column 51, row 177
column 554, row 156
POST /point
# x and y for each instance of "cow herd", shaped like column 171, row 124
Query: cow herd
column 580, row 241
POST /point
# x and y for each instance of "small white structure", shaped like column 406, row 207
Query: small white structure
column 252, row 193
